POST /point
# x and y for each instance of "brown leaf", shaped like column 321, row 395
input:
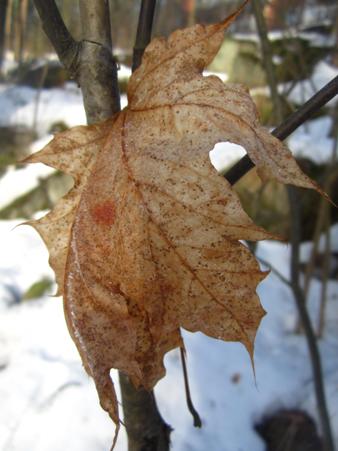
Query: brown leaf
column 147, row 242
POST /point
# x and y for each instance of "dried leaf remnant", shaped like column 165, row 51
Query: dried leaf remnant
column 147, row 241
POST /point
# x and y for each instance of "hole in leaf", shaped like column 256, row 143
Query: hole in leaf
column 225, row 154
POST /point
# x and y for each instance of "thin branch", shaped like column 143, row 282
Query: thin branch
column 288, row 126
column 321, row 98
column 325, row 278
column 267, row 58
column 54, row 27
column 143, row 34
column 306, row 321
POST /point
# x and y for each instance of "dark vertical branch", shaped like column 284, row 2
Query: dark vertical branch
column 145, row 427
column 53, row 25
column 3, row 12
column 325, row 277
column 21, row 29
column 267, row 58
column 144, row 28
column 294, row 201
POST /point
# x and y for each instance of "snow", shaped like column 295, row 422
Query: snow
column 11, row 185
column 54, row 105
column 312, row 141
column 19, row 104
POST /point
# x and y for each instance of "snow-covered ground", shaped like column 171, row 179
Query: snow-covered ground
column 47, row 400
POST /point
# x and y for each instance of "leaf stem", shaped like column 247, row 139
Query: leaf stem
column 192, row 410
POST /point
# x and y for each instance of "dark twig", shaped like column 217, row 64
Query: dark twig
column 288, row 126
column 144, row 28
column 192, row 410
column 54, row 27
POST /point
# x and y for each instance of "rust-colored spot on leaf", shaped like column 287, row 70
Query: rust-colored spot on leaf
column 103, row 213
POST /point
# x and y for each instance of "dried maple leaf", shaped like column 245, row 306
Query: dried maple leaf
column 147, row 241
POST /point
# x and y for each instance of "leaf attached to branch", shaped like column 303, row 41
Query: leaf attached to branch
column 147, row 241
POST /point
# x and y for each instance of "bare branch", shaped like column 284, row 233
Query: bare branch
column 98, row 74
column 144, row 28
column 145, row 430
column 288, row 126
column 95, row 19
column 54, row 27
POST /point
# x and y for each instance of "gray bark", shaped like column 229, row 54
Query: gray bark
column 145, row 427
column 90, row 62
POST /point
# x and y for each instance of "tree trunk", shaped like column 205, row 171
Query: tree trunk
column 97, row 71
column 145, row 427
column 20, row 29
column 3, row 11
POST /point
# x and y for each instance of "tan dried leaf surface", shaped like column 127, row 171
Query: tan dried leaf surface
column 148, row 239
